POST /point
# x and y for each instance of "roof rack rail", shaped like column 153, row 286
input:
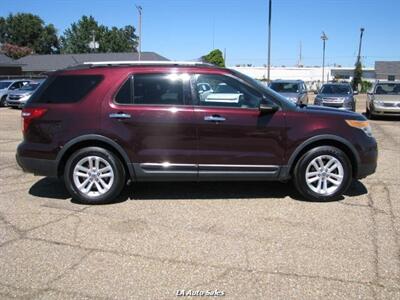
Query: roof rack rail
column 146, row 62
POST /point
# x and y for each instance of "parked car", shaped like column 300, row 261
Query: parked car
column 337, row 95
column 384, row 99
column 99, row 125
column 6, row 86
column 19, row 97
column 293, row 90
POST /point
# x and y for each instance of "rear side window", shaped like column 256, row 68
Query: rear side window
column 124, row 95
column 66, row 88
column 157, row 89
column 154, row 89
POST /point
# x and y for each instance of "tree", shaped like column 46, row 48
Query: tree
column 357, row 79
column 29, row 31
column 215, row 57
column 14, row 51
column 76, row 39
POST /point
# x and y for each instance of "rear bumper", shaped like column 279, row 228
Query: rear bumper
column 41, row 167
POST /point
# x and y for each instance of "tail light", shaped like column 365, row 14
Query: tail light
column 29, row 114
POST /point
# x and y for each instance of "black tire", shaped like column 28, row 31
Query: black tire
column 301, row 167
column 117, row 168
column 3, row 101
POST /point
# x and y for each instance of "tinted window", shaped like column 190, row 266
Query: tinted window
column 335, row 89
column 388, row 89
column 124, row 95
column 285, row 87
column 66, row 88
column 226, row 91
column 158, row 89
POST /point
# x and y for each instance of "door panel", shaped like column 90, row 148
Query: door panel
column 244, row 138
column 159, row 138
column 235, row 141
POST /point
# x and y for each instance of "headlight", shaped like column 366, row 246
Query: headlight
column 341, row 98
column 363, row 125
column 379, row 103
column 25, row 98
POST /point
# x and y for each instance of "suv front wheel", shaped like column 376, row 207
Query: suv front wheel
column 323, row 174
column 94, row 175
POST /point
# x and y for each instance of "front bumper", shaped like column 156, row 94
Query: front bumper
column 368, row 159
column 337, row 105
column 15, row 103
column 382, row 110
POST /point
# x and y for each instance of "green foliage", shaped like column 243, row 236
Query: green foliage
column 215, row 57
column 365, row 86
column 29, row 31
column 357, row 79
column 76, row 39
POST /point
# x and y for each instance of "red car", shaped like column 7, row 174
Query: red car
column 101, row 124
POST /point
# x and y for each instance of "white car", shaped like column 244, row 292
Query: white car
column 223, row 93
column 6, row 86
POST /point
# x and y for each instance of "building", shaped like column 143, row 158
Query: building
column 312, row 76
column 387, row 70
column 9, row 67
column 42, row 64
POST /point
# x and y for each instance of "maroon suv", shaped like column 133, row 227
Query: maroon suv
column 99, row 125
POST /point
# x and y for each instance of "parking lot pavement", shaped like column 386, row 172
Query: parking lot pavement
column 249, row 240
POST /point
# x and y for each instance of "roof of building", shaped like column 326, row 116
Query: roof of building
column 387, row 67
column 5, row 61
column 53, row 62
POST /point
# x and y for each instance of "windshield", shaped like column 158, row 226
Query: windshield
column 388, row 89
column 4, row 84
column 335, row 89
column 285, row 87
column 30, row 87
column 262, row 86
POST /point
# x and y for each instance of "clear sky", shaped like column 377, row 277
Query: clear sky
column 187, row 29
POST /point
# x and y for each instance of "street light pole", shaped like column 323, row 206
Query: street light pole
column 139, row 9
column 359, row 46
column 324, row 38
column 269, row 41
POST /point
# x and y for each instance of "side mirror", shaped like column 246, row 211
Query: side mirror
column 355, row 92
column 268, row 108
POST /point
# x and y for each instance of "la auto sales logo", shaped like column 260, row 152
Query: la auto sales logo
column 200, row 293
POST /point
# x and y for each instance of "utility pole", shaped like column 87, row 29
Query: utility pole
column 269, row 41
column 300, row 63
column 139, row 9
column 359, row 46
column 324, row 38
column 225, row 56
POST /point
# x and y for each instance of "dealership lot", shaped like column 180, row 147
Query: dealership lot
column 250, row 240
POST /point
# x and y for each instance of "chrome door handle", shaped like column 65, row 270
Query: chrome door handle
column 214, row 119
column 119, row 116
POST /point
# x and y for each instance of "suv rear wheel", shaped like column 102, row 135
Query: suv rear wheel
column 323, row 174
column 94, row 175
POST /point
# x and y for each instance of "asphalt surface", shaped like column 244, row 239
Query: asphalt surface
column 249, row 240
